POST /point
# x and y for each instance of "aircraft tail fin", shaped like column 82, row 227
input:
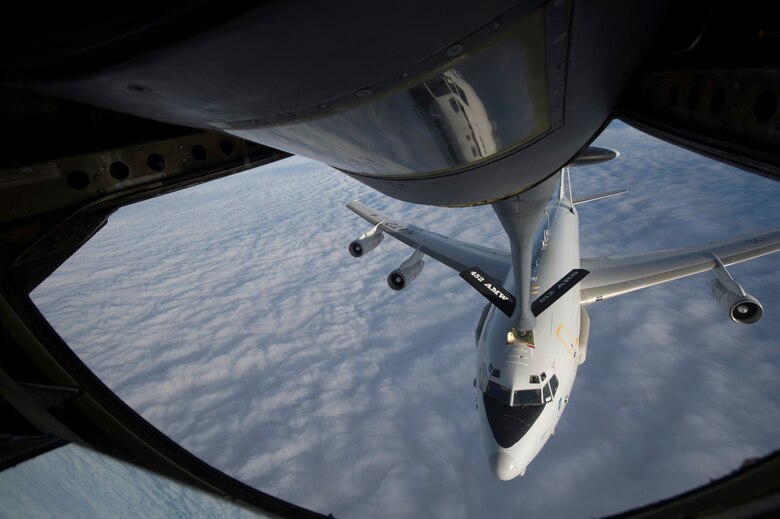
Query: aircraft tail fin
column 599, row 196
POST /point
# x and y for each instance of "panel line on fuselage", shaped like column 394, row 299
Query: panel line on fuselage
column 568, row 345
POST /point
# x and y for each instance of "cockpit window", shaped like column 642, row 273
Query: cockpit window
column 544, row 376
column 462, row 94
column 534, row 379
column 499, row 392
column 527, row 397
column 554, row 384
column 483, row 376
column 496, row 373
column 522, row 397
column 547, row 395
column 438, row 87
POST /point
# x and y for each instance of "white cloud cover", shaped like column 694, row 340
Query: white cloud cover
column 232, row 317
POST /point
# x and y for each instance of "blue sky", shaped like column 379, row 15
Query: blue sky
column 232, row 317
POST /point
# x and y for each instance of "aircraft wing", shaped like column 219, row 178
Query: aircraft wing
column 456, row 254
column 610, row 277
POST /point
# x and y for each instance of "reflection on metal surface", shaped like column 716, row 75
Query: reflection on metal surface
column 462, row 129
column 490, row 103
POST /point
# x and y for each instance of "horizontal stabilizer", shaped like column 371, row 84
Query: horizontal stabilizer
column 491, row 289
column 593, row 155
column 600, row 196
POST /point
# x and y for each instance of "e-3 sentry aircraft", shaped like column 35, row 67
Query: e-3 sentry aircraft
column 533, row 334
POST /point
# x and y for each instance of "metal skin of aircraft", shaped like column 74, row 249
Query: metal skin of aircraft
column 528, row 352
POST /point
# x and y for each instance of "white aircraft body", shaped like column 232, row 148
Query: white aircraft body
column 530, row 346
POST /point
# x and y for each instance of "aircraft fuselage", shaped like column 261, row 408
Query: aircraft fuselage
column 523, row 386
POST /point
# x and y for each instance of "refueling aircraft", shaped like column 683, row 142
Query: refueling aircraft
column 532, row 335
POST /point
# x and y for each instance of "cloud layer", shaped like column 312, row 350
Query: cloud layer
column 232, row 317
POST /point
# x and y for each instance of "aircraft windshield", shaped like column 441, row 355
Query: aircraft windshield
column 522, row 397
column 528, row 397
column 499, row 392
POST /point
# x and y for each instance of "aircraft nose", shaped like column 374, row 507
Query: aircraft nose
column 504, row 466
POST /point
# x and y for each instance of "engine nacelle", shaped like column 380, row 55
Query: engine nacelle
column 367, row 242
column 742, row 307
column 401, row 277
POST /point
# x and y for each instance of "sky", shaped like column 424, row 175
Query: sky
column 232, row 317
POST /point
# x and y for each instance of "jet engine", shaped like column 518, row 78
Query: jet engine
column 367, row 242
column 741, row 306
column 407, row 272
